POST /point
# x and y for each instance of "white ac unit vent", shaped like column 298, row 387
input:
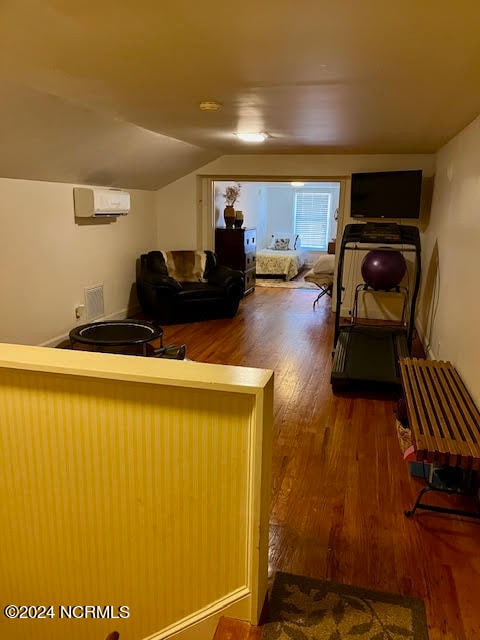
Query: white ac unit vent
column 91, row 202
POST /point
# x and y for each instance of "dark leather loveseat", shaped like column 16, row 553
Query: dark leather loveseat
column 184, row 286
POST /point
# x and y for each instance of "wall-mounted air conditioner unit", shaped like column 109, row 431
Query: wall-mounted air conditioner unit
column 91, row 202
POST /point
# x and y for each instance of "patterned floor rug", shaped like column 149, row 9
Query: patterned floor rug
column 297, row 282
column 291, row 284
column 307, row 609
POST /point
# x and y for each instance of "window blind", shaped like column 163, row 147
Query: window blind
column 311, row 218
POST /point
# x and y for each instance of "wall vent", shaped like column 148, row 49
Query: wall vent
column 94, row 302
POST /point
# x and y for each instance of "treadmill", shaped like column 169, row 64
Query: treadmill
column 367, row 355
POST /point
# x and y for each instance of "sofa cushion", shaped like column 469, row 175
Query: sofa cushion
column 198, row 290
column 320, row 279
column 324, row 264
column 211, row 263
column 185, row 266
column 155, row 262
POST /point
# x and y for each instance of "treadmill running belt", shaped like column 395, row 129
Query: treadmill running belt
column 368, row 355
column 371, row 356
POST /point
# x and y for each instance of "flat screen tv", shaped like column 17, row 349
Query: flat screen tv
column 386, row 194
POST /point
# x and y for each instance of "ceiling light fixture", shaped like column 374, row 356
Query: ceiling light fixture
column 252, row 137
column 210, row 105
column 297, row 184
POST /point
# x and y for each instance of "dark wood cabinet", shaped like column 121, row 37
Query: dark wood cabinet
column 237, row 248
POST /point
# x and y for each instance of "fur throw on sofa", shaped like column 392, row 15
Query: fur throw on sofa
column 185, row 266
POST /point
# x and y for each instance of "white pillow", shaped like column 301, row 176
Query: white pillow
column 324, row 264
column 281, row 244
column 284, row 241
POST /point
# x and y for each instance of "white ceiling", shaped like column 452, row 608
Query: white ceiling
column 108, row 92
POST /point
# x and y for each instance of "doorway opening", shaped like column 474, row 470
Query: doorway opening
column 311, row 209
column 307, row 210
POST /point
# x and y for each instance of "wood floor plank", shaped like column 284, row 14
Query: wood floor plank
column 340, row 484
column 232, row 629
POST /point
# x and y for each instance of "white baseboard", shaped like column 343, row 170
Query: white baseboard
column 117, row 315
column 201, row 625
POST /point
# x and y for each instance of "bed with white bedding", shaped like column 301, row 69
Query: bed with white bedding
column 283, row 258
column 279, row 263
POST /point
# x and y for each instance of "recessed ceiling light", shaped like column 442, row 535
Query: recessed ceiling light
column 210, row 105
column 252, row 137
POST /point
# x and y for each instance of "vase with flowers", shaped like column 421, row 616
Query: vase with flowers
column 231, row 195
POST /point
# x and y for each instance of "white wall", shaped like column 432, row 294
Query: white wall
column 450, row 307
column 176, row 214
column 279, row 213
column 250, row 202
column 47, row 258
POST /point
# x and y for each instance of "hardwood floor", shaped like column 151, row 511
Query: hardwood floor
column 340, row 485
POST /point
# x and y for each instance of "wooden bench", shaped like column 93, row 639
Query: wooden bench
column 443, row 418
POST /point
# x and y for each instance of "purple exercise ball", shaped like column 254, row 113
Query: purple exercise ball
column 383, row 268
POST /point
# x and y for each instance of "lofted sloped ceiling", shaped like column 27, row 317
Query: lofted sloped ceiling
column 108, row 92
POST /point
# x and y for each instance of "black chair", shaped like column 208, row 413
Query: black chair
column 214, row 294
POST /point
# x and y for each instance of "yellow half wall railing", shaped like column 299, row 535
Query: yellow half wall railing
column 134, row 495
